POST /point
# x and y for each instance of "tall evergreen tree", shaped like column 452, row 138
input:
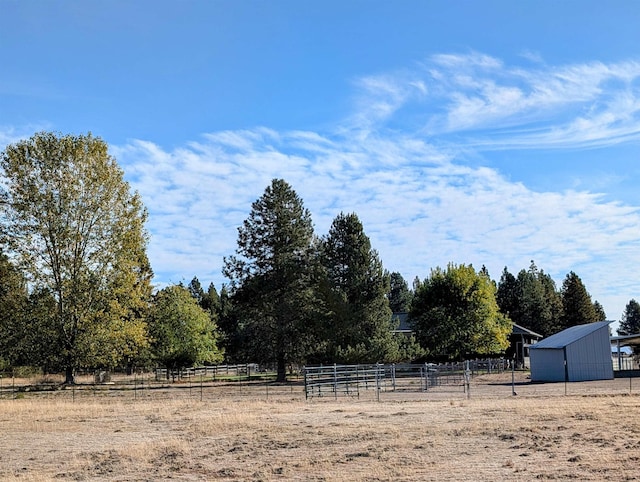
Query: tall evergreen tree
column 211, row 300
column 576, row 302
column 417, row 283
column 196, row 291
column 484, row 271
column 359, row 319
column 531, row 300
column 552, row 312
column 600, row 313
column 271, row 278
column 507, row 295
column 399, row 294
column 230, row 333
column 630, row 323
column 208, row 300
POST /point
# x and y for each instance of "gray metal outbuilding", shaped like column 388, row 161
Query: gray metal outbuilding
column 579, row 353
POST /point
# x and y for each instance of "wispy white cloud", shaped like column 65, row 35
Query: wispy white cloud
column 591, row 104
column 12, row 134
column 421, row 210
column 420, row 204
column 399, row 162
column 380, row 97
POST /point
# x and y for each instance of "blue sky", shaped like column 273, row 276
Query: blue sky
column 483, row 132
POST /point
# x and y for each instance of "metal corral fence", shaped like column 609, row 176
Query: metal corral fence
column 380, row 382
column 349, row 380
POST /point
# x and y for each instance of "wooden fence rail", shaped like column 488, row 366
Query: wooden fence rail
column 214, row 372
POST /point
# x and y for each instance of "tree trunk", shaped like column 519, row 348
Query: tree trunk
column 69, row 376
column 281, row 376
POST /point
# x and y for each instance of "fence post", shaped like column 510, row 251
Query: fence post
column 393, row 376
column 306, row 392
column 346, row 378
column 335, row 381
column 566, row 371
column 467, row 374
column 426, row 377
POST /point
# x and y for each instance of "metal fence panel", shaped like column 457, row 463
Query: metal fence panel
column 334, row 380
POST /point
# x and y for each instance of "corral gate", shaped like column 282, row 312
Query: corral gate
column 334, row 380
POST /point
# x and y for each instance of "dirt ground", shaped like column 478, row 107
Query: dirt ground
column 264, row 433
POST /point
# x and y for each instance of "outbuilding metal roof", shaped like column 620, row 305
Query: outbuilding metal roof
column 570, row 335
column 627, row 340
column 521, row 330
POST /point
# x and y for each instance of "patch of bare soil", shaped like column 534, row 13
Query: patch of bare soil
column 431, row 436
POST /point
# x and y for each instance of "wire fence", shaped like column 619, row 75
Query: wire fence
column 203, row 383
column 478, row 379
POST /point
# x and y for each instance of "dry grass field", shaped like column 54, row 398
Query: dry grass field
column 593, row 433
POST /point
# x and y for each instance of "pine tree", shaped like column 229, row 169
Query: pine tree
column 507, row 295
column 630, row 323
column 576, row 302
column 531, row 300
column 600, row 313
column 229, row 326
column 196, row 291
column 551, row 314
column 399, row 294
column 359, row 320
column 271, row 278
column 211, row 300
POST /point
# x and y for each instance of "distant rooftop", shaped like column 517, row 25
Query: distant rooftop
column 521, row 330
column 404, row 326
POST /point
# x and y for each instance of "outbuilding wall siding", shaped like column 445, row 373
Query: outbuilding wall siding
column 586, row 349
column 547, row 365
column 590, row 358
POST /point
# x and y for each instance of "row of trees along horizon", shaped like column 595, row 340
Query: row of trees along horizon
column 76, row 292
